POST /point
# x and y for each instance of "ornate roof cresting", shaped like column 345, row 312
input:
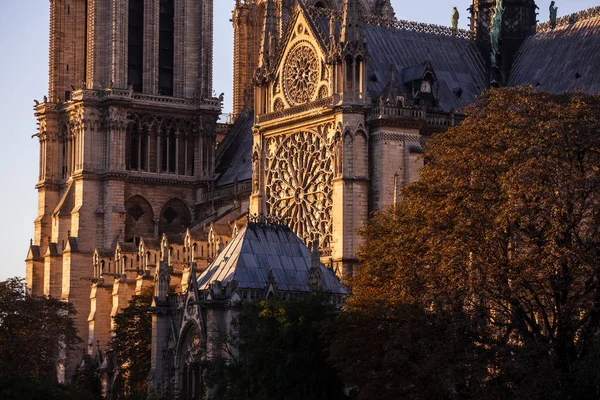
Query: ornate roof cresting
column 570, row 19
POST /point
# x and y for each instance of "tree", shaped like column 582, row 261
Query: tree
column 34, row 331
column 131, row 342
column 497, row 248
column 282, row 353
column 40, row 325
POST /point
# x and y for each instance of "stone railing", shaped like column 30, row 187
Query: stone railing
column 325, row 102
column 393, row 111
column 86, row 94
column 570, row 19
column 443, row 119
column 41, row 108
column 228, row 191
column 439, row 119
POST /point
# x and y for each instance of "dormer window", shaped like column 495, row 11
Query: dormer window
column 425, row 87
column 399, row 101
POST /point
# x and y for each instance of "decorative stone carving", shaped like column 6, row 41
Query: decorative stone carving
column 300, row 175
column 323, row 92
column 278, row 106
column 301, row 74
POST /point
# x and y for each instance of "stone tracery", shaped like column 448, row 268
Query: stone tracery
column 301, row 188
column 301, row 74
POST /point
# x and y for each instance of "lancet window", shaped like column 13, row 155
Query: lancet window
column 135, row 42
column 137, row 156
column 164, row 148
column 166, row 47
column 71, row 150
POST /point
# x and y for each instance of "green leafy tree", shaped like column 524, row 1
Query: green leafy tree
column 34, row 331
column 131, row 343
column 282, row 353
column 495, row 251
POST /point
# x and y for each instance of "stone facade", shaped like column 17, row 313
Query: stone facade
column 335, row 101
column 127, row 138
column 259, row 29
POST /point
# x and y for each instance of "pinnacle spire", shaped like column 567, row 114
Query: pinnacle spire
column 351, row 22
column 269, row 34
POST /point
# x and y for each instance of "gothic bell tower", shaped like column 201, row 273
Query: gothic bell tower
column 518, row 21
column 126, row 133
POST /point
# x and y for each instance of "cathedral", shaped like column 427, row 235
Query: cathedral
column 141, row 185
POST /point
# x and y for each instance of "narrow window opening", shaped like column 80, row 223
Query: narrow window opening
column 166, row 47
column 135, row 60
column 172, row 152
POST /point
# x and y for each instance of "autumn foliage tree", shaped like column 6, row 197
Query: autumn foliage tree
column 484, row 282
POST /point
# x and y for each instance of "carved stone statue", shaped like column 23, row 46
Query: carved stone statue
column 553, row 12
column 455, row 18
column 495, row 30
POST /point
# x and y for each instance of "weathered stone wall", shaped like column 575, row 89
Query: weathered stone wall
column 395, row 162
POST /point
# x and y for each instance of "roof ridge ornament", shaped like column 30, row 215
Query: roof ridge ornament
column 584, row 15
column 267, row 219
column 454, row 20
column 553, row 13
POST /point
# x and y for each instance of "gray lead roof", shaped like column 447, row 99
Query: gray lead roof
column 563, row 59
column 260, row 248
column 234, row 159
column 456, row 62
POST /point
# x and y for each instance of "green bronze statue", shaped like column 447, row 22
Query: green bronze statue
column 496, row 29
column 553, row 12
column 455, row 17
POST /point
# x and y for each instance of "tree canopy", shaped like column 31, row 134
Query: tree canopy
column 131, row 343
column 33, row 333
column 484, row 281
column 281, row 353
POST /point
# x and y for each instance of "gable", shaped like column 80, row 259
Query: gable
column 301, row 74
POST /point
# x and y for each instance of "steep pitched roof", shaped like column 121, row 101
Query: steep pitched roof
column 259, row 249
column 456, row 61
column 561, row 59
column 410, row 46
column 234, row 156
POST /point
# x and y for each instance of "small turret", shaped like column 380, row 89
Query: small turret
column 162, row 279
column 352, row 30
column 314, row 274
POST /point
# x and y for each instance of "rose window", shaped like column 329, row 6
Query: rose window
column 301, row 73
column 300, row 185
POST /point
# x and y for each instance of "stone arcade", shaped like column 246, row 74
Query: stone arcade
column 334, row 101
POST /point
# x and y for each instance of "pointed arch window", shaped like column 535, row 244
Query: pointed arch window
column 136, row 154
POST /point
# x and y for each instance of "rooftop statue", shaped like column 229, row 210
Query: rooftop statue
column 495, row 30
column 455, row 17
column 553, row 12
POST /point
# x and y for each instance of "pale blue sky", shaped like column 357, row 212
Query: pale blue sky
column 24, row 77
